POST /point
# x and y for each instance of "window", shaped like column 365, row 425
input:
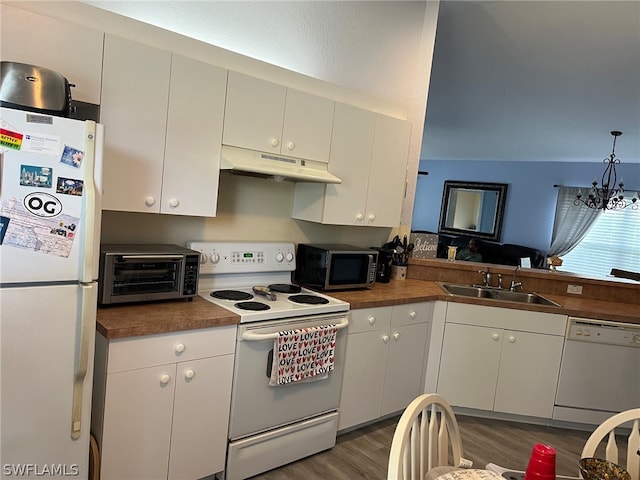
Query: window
column 612, row 242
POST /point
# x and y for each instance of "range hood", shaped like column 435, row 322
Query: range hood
column 241, row 160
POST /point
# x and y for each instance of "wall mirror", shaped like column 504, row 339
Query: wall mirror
column 473, row 208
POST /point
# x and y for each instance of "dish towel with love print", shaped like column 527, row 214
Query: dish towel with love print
column 304, row 354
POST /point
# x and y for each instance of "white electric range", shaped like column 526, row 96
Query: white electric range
column 271, row 426
column 253, row 280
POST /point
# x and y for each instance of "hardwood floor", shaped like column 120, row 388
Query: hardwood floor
column 363, row 453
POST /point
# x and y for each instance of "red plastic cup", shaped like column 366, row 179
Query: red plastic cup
column 542, row 463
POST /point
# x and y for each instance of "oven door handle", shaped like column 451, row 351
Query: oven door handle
column 151, row 257
column 257, row 337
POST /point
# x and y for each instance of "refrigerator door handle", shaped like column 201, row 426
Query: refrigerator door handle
column 90, row 206
column 87, row 322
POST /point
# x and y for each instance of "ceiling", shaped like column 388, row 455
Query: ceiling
column 535, row 81
column 518, row 80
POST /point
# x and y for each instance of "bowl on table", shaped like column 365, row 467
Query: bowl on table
column 600, row 469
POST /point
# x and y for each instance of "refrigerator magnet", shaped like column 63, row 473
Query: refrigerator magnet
column 72, row 157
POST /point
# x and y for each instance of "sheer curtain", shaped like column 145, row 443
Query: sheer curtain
column 572, row 222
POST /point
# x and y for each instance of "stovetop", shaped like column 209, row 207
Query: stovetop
column 231, row 270
column 283, row 306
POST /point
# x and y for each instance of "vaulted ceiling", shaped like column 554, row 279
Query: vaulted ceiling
column 535, row 81
column 519, row 80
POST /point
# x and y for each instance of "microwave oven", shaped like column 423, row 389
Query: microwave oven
column 143, row 273
column 332, row 266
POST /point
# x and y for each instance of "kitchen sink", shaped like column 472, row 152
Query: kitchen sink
column 490, row 293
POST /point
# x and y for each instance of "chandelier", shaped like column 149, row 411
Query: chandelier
column 610, row 195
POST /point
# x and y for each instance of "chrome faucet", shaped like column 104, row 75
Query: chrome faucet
column 514, row 284
column 486, row 277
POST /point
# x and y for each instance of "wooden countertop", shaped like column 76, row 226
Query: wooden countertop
column 163, row 317
column 119, row 321
column 410, row 290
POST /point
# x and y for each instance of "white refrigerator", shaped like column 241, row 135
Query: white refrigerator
column 50, row 184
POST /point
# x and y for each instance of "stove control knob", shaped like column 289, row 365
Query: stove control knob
column 289, row 257
column 204, row 258
column 215, row 258
column 279, row 257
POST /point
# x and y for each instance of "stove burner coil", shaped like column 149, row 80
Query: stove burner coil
column 308, row 299
column 251, row 306
column 231, row 295
column 285, row 288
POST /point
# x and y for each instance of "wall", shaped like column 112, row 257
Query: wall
column 531, row 198
column 251, row 209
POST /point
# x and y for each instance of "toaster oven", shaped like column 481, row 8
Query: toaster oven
column 143, row 273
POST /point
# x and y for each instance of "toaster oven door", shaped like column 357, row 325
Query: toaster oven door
column 139, row 278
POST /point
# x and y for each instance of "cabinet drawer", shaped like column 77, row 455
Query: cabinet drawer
column 140, row 352
column 366, row 319
column 411, row 313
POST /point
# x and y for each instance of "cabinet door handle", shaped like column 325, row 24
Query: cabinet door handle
column 189, row 374
column 495, row 336
column 291, row 146
column 512, row 339
column 413, row 314
column 372, row 320
column 396, row 336
column 359, row 217
column 385, row 338
column 180, row 348
column 174, row 202
column 149, row 201
column 164, row 379
column 274, row 142
column 372, row 217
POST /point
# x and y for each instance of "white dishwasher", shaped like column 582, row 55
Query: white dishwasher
column 600, row 371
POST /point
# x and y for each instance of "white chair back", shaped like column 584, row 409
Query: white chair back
column 422, row 438
column 607, row 432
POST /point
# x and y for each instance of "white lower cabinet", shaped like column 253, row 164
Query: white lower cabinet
column 384, row 364
column 161, row 404
column 500, row 359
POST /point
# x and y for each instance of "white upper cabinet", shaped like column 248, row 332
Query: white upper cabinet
column 135, row 93
column 73, row 50
column 163, row 124
column 388, row 172
column 267, row 117
column 194, row 135
column 308, row 122
column 369, row 154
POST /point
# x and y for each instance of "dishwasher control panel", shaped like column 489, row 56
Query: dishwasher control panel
column 611, row 333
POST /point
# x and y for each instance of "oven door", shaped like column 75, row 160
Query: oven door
column 140, row 277
column 256, row 406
